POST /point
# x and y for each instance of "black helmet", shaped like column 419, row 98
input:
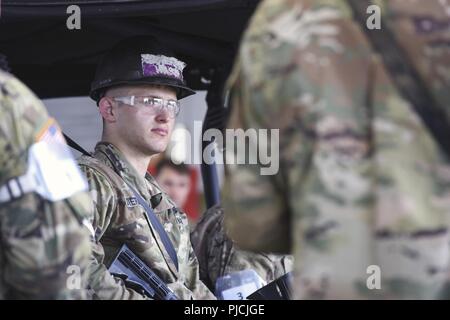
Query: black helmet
column 139, row 60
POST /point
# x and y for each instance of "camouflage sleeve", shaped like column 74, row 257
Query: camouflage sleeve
column 253, row 201
column 258, row 203
column 43, row 248
column 272, row 87
column 268, row 266
column 199, row 289
column 22, row 116
column 34, row 267
column 103, row 285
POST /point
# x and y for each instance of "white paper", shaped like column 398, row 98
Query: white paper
column 239, row 293
column 54, row 170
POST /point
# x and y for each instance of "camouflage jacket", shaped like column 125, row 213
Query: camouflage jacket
column 362, row 194
column 219, row 256
column 120, row 220
column 44, row 247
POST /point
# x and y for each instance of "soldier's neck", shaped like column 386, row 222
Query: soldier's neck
column 140, row 163
column 137, row 159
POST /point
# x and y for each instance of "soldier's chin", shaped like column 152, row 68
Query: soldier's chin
column 157, row 148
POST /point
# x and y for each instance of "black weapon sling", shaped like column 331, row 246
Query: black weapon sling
column 156, row 224
column 405, row 77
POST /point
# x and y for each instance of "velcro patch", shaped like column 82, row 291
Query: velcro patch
column 50, row 132
column 160, row 65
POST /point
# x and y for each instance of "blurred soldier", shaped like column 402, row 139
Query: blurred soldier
column 218, row 256
column 175, row 180
column 137, row 87
column 362, row 197
column 44, row 246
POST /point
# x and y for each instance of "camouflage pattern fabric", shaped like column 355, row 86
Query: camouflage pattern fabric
column 362, row 192
column 43, row 243
column 219, row 256
column 120, row 220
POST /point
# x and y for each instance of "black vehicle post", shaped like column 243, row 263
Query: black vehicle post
column 214, row 119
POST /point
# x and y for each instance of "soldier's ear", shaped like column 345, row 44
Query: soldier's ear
column 106, row 109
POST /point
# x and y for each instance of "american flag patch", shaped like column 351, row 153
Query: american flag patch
column 50, row 132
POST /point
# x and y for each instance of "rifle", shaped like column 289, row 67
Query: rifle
column 138, row 276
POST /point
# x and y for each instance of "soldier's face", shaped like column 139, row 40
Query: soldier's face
column 140, row 127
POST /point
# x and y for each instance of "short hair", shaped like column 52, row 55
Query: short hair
column 167, row 163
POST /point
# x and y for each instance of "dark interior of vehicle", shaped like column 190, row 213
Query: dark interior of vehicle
column 56, row 62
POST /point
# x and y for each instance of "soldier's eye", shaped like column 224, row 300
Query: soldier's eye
column 156, row 102
column 168, row 183
column 148, row 101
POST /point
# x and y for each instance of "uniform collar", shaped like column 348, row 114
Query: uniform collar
column 147, row 187
column 114, row 158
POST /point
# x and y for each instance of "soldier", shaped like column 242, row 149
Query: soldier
column 218, row 256
column 175, row 179
column 362, row 196
column 44, row 246
column 137, row 87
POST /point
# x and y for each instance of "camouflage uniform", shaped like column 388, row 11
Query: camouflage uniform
column 120, row 220
column 361, row 180
column 40, row 239
column 219, row 256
